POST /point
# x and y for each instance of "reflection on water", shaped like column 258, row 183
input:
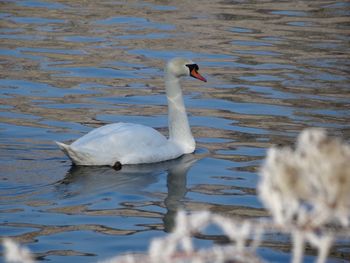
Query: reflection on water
column 83, row 181
column 274, row 68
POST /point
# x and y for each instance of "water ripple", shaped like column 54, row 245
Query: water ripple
column 273, row 69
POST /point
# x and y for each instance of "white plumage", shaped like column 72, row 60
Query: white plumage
column 128, row 143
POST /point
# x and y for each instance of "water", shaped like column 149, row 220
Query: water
column 273, row 69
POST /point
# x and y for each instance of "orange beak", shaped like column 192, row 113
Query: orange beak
column 195, row 74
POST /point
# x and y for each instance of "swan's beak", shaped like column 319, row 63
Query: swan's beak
column 195, row 74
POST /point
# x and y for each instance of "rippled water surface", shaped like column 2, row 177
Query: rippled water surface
column 273, row 69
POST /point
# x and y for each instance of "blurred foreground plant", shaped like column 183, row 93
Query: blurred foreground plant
column 306, row 189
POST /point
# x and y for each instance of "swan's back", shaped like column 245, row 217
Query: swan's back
column 120, row 134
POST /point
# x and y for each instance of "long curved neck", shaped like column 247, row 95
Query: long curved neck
column 179, row 128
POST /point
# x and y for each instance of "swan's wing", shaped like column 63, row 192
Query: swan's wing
column 115, row 142
column 121, row 134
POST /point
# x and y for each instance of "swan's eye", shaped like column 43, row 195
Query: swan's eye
column 192, row 67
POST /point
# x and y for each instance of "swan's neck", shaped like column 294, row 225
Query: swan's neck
column 179, row 128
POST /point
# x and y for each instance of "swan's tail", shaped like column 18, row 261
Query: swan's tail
column 64, row 147
column 79, row 158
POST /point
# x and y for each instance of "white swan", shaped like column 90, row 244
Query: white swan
column 127, row 143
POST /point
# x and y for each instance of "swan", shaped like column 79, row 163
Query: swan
column 121, row 143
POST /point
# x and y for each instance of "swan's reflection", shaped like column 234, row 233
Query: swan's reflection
column 131, row 179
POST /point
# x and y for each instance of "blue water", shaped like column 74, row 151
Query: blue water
column 67, row 67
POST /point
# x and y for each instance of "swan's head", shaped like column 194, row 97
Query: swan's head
column 182, row 67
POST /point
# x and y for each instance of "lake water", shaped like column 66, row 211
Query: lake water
column 273, row 69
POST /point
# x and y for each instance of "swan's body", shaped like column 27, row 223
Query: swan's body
column 128, row 143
